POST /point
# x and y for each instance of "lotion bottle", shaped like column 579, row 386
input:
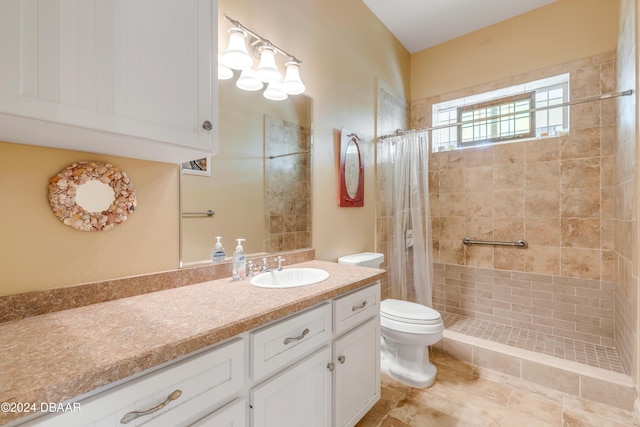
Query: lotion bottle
column 239, row 270
column 217, row 254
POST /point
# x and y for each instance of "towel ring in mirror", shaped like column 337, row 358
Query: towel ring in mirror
column 92, row 196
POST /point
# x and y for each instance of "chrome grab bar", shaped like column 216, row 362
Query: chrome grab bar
column 208, row 212
column 520, row 243
column 298, row 338
column 135, row 414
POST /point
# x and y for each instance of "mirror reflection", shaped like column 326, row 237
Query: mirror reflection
column 94, row 196
column 259, row 183
column 352, row 168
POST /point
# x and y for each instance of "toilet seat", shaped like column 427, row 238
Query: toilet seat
column 409, row 312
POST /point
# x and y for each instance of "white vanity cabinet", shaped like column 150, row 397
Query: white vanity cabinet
column 356, row 355
column 120, row 77
column 198, row 386
column 331, row 386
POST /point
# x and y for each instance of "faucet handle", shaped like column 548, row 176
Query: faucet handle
column 279, row 259
column 250, row 270
column 265, row 265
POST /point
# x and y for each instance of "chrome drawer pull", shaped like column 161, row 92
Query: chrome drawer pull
column 359, row 307
column 341, row 359
column 135, row 414
column 298, row 338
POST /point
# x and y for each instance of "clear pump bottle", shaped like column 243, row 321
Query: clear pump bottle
column 217, row 254
column 239, row 270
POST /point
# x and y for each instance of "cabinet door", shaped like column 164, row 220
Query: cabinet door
column 298, row 396
column 356, row 356
column 125, row 77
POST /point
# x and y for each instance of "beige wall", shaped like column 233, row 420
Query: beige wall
column 39, row 252
column 343, row 47
column 562, row 31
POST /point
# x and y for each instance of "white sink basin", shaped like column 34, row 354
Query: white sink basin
column 290, row 278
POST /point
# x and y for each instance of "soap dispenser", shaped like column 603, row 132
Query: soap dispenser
column 239, row 270
column 217, row 254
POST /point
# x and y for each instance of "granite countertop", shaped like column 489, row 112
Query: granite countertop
column 58, row 356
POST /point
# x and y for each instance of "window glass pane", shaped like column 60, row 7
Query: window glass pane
column 493, row 116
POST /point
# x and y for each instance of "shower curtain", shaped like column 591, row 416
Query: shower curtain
column 404, row 163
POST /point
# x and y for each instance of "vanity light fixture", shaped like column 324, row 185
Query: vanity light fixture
column 224, row 72
column 274, row 92
column 292, row 84
column 267, row 69
column 248, row 80
column 238, row 57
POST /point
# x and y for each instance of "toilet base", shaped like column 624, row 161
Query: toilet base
column 423, row 379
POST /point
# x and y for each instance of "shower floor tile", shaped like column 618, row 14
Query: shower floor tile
column 564, row 348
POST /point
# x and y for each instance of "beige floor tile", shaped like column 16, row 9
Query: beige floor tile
column 587, row 413
column 460, row 397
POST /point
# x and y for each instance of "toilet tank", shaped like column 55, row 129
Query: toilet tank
column 363, row 259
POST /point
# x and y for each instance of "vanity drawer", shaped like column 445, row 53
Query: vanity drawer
column 356, row 307
column 205, row 381
column 282, row 343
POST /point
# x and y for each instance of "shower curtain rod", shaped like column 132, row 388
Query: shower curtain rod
column 564, row 104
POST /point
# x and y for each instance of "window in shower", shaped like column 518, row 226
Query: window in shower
column 524, row 111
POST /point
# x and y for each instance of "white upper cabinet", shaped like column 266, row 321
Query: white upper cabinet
column 133, row 78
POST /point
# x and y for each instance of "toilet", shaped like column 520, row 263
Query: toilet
column 406, row 329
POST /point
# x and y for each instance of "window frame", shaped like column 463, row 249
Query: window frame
column 445, row 114
column 496, row 120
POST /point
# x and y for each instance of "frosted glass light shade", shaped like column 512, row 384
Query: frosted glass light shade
column 274, row 92
column 248, row 80
column 236, row 56
column 224, row 72
column 267, row 69
column 292, row 84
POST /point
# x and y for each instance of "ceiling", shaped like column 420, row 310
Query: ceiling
column 420, row 24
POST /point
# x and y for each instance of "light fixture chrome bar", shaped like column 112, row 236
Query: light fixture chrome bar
column 520, row 243
column 261, row 39
column 289, row 154
column 532, row 110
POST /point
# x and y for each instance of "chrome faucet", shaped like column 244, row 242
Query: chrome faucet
column 265, row 264
column 279, row 260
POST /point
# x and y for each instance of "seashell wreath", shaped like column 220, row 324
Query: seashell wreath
column 62, row 196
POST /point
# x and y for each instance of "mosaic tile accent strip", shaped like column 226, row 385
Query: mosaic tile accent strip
column 597, row 356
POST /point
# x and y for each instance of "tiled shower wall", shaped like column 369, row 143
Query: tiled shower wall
column 556, row 193
column 287, row 185
column 625, row 213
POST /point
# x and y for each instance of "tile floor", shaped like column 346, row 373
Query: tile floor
column 460, row 397
column 577, row 351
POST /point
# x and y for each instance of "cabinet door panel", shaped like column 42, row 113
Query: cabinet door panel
column 356, row 356
column 299, row 396
column 136, row 68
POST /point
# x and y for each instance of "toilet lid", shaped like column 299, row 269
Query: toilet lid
column 409, row 312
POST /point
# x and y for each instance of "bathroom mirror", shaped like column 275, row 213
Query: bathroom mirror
column 94, row 196
column 351, row 170
column 259, row 183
